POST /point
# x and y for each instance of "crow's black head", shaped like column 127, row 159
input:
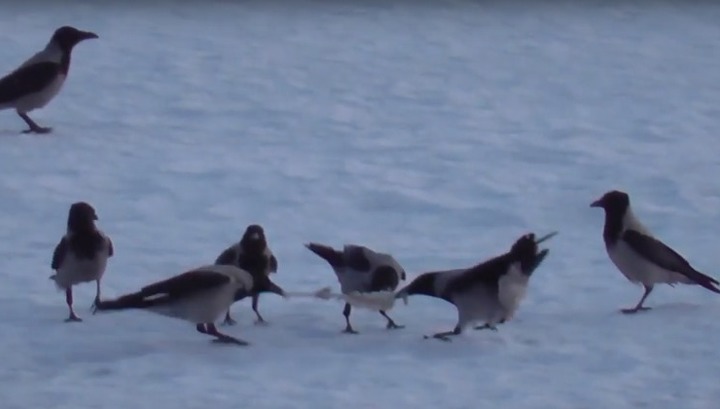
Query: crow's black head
column 67, row 37
column 81, row 216
column 613, row 202
column 253, row 240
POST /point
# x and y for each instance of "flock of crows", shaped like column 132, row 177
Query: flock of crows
column 490, row 291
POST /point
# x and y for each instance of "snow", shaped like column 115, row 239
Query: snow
column 436, row 132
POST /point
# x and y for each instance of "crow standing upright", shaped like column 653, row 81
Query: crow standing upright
column 39, row 79
column 639, row 256
column 253, row 255
column 82, row 253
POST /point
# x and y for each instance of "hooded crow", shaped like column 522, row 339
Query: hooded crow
column 490, row 291
column 199, row 296
column 360, row 269
column 639, row 256
column 81, row 255
column 253, row 255
column 39, row 79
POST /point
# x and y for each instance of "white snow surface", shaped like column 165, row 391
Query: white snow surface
column 437, row 131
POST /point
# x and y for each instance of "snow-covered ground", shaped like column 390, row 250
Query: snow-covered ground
column 437, row 132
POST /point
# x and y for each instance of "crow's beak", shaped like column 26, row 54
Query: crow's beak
column 546, row 237
column 87, row 35
column 597, row 203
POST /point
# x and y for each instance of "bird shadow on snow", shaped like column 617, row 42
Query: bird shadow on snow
column 6, row 133
column 677, row 307
column 323, row 333
column 104, row 339
column 18, row 133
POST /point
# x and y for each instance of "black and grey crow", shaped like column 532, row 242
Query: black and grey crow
column 490, row 291
column 39, row 79
column 360, row 269
column 199, row 296
column 253, row 255
column 81, row 255
column 640, row 257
